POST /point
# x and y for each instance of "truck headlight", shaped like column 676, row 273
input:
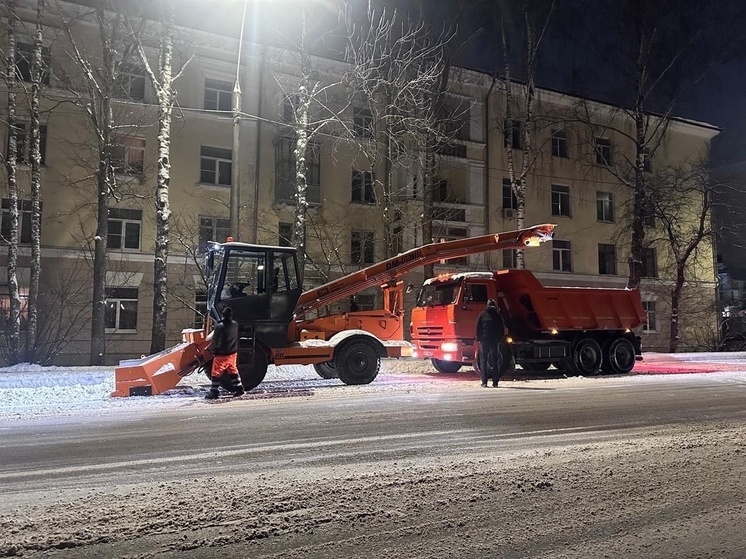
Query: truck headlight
column 449, row 346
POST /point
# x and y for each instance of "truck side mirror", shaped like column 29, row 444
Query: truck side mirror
column 410, row 288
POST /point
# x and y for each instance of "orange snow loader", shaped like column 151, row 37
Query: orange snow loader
column 261, row 284
column 583, row 330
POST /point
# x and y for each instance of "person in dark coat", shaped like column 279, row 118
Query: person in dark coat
column 224, row 348
column 490, row 332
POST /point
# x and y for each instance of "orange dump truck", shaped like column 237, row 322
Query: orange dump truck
column 583, row 330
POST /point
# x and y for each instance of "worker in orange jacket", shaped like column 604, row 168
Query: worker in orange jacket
column 224, row 348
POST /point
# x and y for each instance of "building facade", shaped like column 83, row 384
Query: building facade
column 569, row 184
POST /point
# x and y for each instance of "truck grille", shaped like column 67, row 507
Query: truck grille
column 429, row 331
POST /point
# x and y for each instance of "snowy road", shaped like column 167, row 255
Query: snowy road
column 414, row 465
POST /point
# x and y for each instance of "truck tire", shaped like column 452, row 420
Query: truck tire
column 587, row 357
column 252, row 366
column 445, row 366
column 326, row 370
column 503, row 360
column 358, row 362
column 619, row 356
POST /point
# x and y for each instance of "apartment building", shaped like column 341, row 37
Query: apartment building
column 569, row 185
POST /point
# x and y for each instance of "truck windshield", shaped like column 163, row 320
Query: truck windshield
column 437, row 294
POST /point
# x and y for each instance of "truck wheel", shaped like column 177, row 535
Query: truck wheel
column 358, row 362
column 445, row 366
column 252, row 366
column 503, row 360
column 619, row 356
column 587, row 356
column 326, row 370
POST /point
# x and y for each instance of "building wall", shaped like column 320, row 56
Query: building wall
column 473, row 177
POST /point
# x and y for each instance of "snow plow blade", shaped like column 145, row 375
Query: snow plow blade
column 161, row 371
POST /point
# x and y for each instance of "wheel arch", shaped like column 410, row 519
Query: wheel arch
column 339, row 339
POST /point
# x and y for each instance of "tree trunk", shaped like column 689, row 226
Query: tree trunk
column 639, row 202
column 301, row 183
column 13, row 326
column 163, row 212
column 673, row 337
column 35, row 148
column 428, row 203
column 98, row 310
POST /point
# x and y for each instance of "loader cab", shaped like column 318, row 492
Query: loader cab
column 260, row 283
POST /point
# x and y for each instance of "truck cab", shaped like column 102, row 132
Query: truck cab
column 445, row 316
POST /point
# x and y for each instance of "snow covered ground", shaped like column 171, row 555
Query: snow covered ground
column 32, row 392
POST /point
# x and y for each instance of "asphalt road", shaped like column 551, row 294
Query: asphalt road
column 356, row 433
column 272, row 434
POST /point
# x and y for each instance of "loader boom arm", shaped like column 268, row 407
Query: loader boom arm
column 384, row 272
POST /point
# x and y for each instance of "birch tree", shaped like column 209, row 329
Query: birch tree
column 12, row 324
column 658, row 52
column 162, row 80
column 94, row 89
column 681, row 201
column 535, row 16
column 37, row 72
column 399, row 73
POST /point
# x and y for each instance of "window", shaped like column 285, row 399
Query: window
column 442, row 233
column 603, row 151
column 362, row 187
column 651, row 319
column 559, row 143
column 512, row 134
column 512, row 131
column 24, row 58
column 128, row 155
column 5, row 305
column 649, row 217
column 215, row 166
column 604, row 206
column 218, row 95
column 213, row 229
column 121, row 309
column 124, row 229
column 285, row 180
column 362, row 123
column 606, row 259
column 475, row 293
column 509, row 199
column 560, row 200
column 23, row 143
column 510, row 258
column 285, row 234
column 130, row 82
column 24, row 217
column 200, row 308
column 649, row 263
column 397, row 241
column 561, row 256
column 362, row 250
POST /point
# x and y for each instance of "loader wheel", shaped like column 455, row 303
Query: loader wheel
column 251, row 367
column 358, row 362
column 587, row 357
column 207, row 369
column 327, row 370
column 445, row 366
column 619, row 356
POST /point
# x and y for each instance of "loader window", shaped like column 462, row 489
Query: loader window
column 244, row 274
column 437, row 294
column 283, row 276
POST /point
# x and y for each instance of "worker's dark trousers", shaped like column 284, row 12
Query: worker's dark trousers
column 489, row 360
